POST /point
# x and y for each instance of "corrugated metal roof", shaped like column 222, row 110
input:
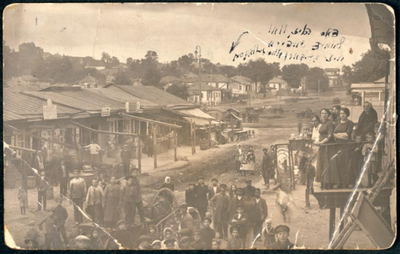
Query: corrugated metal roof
column 83, row 99
column 195, row 113
column 154, row 95
column 10, row 116
column 22, row 104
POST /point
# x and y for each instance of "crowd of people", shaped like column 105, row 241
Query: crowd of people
column 344, row 148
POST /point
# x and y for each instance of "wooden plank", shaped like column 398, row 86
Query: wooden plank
column 104, row 132
column 332, row 217
column 344, row 235
column 373, row 225
column 140, row 156
column 151, row 121
column 154, row 128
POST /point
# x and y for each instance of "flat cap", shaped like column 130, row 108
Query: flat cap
column 281, row 228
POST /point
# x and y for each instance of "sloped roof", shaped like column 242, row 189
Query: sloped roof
column 153, row 95
column 204, row 87
column 169, row 79
column 242, row 80
column 208, row 78
column 117, row 94
column 277, row 80
column 88, row 79
column 381, row 80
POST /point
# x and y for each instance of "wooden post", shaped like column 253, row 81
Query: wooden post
column 175, row 145
column 344, row 219
column 332, row 217
column 140, row 155
column 191, row 136
column 155, row 145
column 209, row 133
column 194, row 136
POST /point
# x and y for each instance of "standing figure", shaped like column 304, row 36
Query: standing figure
column 63, row 178
column 367, row 120
column 201, row 191
column 31, row 236
column 240, row 199
column 197, row 244
column 220, row 204
column 269, row 234
column 111, row 203
column 80, row 155
column 282, row 234
column 240, row 219
column 126, row 160
column 150, row 146
column 310, row 175
column 61, row 215
column 38, row 162
column 94, row 201
column 258, row 212
column 167, row 183
column 94, row 154
column 42, row 185
column 190, row 195
column 266, row 164
column 186, row 223
column 214, row 188
column 132, row 198
column 235, row 242
column 77, row 193
column 22, row 200
column 238, row 157
column 249, row 190
column 207, row 233
column 369, row 151
column 52, row 238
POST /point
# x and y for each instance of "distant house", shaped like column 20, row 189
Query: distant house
column 89, row 82
column 214, row 80
column 249, row 85
column 210, row 95
column 333, row 75
column 95, row 64
column 278, row 83
column 168, row 81
column 216, row 113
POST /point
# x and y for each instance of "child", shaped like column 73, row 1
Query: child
column 310, row 175
column 184, row 243
column 215, row 244
column 152, row 233
column 356, row 160
column 269, row 234
column 372, row 167
column 22, row 200
column 144, row 242
column 156, row 245
column 207, row 233
column 31, row 236
column 197, row 244
column 170, row 244
column 282, row 235
column 240, row 219
column 235, row 243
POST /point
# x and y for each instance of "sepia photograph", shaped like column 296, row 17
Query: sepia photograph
column 199, row 126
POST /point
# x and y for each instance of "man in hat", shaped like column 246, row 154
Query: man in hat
column 220, row 205
column 184, row 243
column 201, row 191
column 240, row 219
column 31, row 236
column 63, row 178
column 51, row 236
column 132, row 198
column 42, row 185
column 112, row 196
column 197, row 244
column 238, row 157
column 94, row 154
column 126, row 160
column 214, row 188
column 240, row 199
column 186, row 223
column 61, row 216
column 144, row 242
column 249, row 190
column 207, row 233
column 266, row 167
column 272, row 156
column 190, row 195
column 282, row 235
column 94, row 201
column 258, row 212
column 77, row 194
column 122, row 235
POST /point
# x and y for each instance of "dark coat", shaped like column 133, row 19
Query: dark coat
column 207, row 234
column 266, row 163
column 61, row 215
column 60, row 173
column 221, row 206
column 242, row 223
column 258, row 212
column 190, row 197
column 126, row 157
column 201, row 195
column 211, row 192
column 186, row 224
column 249, row 191
column 279, row 246
column 235, row 201
column 366, row 122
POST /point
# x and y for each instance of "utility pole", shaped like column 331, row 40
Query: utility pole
column 195, row 53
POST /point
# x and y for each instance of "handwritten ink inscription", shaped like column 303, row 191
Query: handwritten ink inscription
column 298, row 44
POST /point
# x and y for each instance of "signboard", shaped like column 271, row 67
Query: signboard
column 283, row 167
column 132, row 107
column 49, row 111
column 105, row 111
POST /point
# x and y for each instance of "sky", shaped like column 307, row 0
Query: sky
column 175, row 29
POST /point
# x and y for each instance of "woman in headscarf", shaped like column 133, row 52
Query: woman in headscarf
column 167, row 183
column 238, row 157
column 232, row 191
column 342, row 134
column 324, row 173
column 168, row 235
column 97, row 243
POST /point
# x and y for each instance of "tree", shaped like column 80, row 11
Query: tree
column 179, row 90
column 227, row 70
column 151, row 77
column 105, row 57
column 171, row 69
column 314, row 76
column 371, row 67
column 114, row 61
column 185, row 62
column 151, row 55
column 122, row 78
column 259, row 71
column 293, row 74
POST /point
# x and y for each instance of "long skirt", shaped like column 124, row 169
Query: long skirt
column 327, row 170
